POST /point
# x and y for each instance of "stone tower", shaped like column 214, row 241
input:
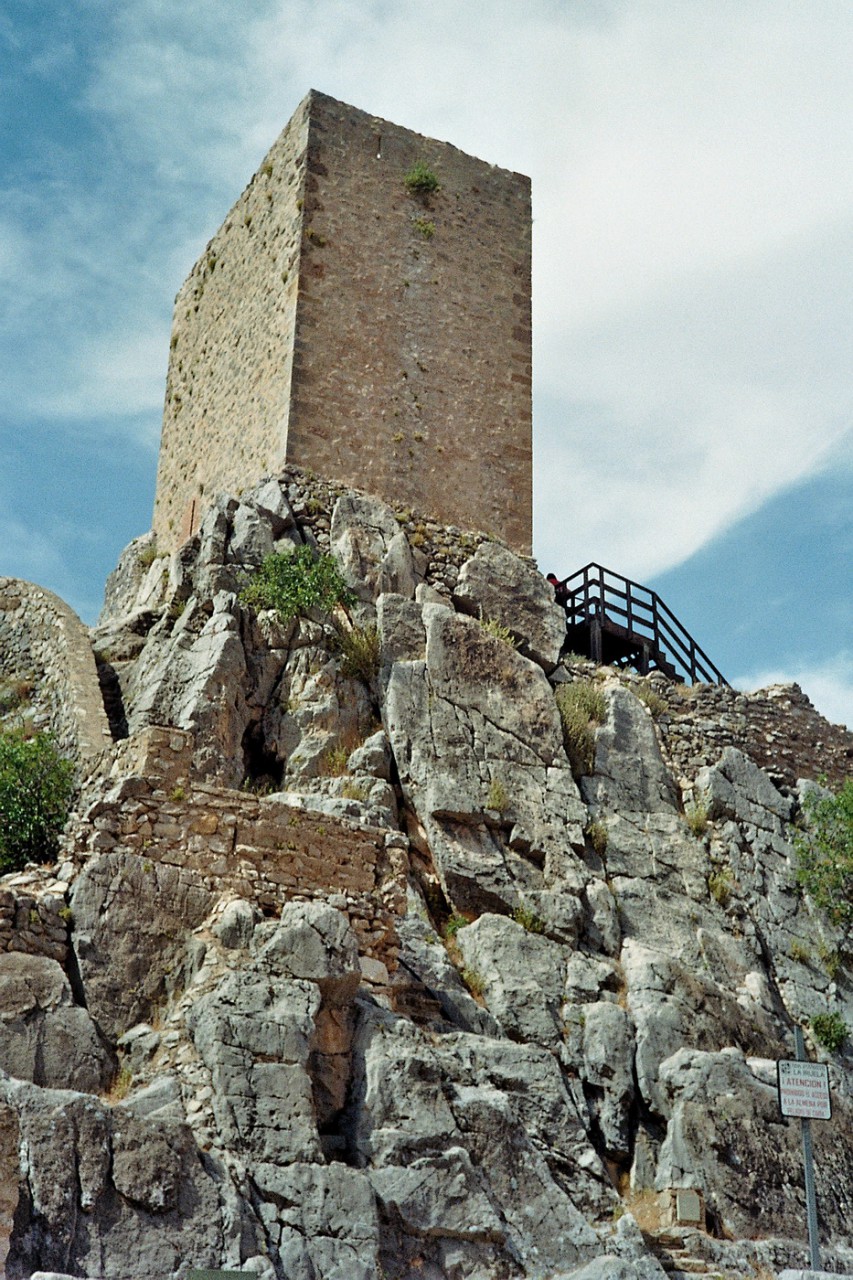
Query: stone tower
column 375, row 334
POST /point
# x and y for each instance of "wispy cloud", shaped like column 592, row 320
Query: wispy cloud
column 692, row 171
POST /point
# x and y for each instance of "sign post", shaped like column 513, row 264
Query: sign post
column 804, row 1091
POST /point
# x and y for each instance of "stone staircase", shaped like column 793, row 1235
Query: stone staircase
column 678, row 1252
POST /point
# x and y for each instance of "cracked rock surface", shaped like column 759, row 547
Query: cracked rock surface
column 571, row 1007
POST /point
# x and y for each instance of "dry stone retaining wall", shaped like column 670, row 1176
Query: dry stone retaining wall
column 143, row 800
column 777, row 727
column 41, row 637
column 33, row 915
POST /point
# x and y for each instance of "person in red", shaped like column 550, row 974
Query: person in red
column 561, row 595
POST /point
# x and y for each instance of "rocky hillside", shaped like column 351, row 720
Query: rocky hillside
column 369, row 954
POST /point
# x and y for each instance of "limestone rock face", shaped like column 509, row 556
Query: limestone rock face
column 137, row 1198
column 495, row 584
column 478, row 746
column 435, row 1008
column 46, row 1038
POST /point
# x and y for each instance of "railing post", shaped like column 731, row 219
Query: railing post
column 595, row 639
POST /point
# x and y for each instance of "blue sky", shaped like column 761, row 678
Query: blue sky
column 692, row 173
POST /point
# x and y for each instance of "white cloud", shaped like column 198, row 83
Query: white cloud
column 828, row 684
column 692, row 171
column 116, row 376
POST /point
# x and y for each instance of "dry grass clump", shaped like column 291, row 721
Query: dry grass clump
column 582, row 709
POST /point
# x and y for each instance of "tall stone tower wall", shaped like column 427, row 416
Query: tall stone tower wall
column 342, row 323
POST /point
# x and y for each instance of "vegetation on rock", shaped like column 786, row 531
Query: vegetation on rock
column 36, row 786
column 294, row 584
column 420, row 180
column 582, row 709
column 359, row 651
column 830, row 1030
column 825, row 853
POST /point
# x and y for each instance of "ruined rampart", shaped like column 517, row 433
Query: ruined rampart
column 143, row 799
column 43, row 642
column 777, row 727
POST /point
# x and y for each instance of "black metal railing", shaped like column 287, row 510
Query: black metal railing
column 647, row 634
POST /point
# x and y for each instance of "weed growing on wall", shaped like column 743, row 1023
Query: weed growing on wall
column 295, row 584
column 15, row 694
column 655, row 703
column 36, row 785
column 528, row 919
column 596, row 834
column 696, row 818
column 720, row 885
column 420, row 180
column 499, row 631
column 582, row 708
column 825, row 853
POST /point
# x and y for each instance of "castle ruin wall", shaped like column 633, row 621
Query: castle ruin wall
column 43, row 640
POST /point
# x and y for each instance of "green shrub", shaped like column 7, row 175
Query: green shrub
column 334, row 762
column 800, row 952
column 454, row 924
column 147, row 555
column 582, row 707
column 655, row 703
column 825, row 853
column 359, row 651
column 473, row 980
column 352, row 790
column 420, row 180
column 294, row 584
column 829, row 1030
column 425, row 227
column 499, row 631
column 36, row 786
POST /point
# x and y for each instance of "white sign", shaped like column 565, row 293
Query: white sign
column 804, row 1090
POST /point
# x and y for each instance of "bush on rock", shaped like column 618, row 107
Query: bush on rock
column 36, row 786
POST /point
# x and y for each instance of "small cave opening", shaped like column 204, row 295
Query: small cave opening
column 262, row 767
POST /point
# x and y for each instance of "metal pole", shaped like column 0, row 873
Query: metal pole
column 808, row 1163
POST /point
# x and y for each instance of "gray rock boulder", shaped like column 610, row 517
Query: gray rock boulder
column 736, row 788
column 371, row 548
column 321, row 1220
column 495, row 584
column 133, row 920
column 44, row 1036
column 137, row 1199
column 522, row 976
column 471, row 1107
column 726, row 1138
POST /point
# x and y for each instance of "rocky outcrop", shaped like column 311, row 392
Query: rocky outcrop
column 346, row 974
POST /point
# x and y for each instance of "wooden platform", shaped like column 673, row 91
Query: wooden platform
column 615, row 621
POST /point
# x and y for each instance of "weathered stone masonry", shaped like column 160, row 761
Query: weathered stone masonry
column 341, row 323
column 41, row 637
column 143, row 799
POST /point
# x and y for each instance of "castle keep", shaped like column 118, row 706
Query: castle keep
column 371, row 333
